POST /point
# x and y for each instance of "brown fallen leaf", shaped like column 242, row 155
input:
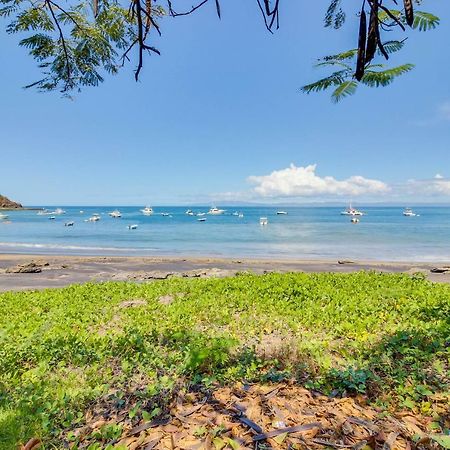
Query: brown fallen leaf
column 32, row 444
column 365, row 423
column 296, row 429
column 390, row 441
column 254, row 426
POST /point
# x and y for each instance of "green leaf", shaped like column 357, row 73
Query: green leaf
column 409, row 403
column 344, row 90
column 441, row 439
column 393, row 46
column 385, row 77
column 424, row 21
column 334, row 79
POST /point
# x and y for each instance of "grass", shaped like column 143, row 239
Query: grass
column 384, row 336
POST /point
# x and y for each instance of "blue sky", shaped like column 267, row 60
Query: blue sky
column 222, row 104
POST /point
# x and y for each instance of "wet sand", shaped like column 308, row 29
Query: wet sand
column 59, row 271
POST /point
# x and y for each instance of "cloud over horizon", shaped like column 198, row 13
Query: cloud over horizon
column 301, row 181
column 437, row 186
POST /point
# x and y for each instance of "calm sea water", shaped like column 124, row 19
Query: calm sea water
column 305, row 233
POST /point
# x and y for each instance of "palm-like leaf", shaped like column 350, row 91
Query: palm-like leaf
column 424, row 21
column 344, row 56
column 334, row 79
column 379, row 78
column 344, row 90
column 393, row 46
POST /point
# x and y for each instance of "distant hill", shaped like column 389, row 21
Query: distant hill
column 6, row 203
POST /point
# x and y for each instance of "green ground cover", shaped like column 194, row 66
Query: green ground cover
column 380, row 335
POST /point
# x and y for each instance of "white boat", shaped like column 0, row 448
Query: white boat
column 216, row 211
column 408, row 212
column 263, row 221
column 115, row 214
column 45, row 212
column 241, row 215
column 93, row 218
column 3, row 216
column 58, row 211
column 202, row 219
column 132, row 227
column 354, row 220
column 52, row 218
column 350, row 211
column 281, row 213
column 147, row 211
column 81, row 212
column 165, row 214
column 235, row 214
column 201, row 214
column 189, row 212
column 69, row 224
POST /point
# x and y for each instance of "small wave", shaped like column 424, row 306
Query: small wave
column 24, row 245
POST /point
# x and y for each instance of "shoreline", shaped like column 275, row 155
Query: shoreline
column 62, row 270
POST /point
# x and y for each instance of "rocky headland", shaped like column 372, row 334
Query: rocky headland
column 6, row 203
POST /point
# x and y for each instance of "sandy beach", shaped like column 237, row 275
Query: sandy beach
column 25, row 272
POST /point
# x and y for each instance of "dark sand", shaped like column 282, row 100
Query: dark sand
column 58, row 271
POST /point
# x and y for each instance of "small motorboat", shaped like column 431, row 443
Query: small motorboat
column 69, row 224
column 281, row 213
column 116, row 214
column 3, row 216
column 216, row 211
column 189, row 212
column 52, row 218
column 408, row 212
column 241, row 215
column 201, row 214
column 132, row 227
column 235, row 214
column 354, row 220
column 147, row 211
column 263, row 221
column 93, row 218
column 81, row 212
column 58, row 211
column 165, row 214
column 350, row 211
column 202, row 219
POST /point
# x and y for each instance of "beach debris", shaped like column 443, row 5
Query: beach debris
column 212, row 272
column 133, row 303
column 346, row 261
column 440, row 270
column 166, row 299
column 152, row 275
column 31, row 267
column 242, row 416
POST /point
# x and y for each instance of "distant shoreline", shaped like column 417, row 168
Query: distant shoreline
column 62, row 270
column 20, row 209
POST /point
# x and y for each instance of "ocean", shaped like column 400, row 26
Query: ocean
column 304, row 233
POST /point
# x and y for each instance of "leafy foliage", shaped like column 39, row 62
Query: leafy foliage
column 343, row 82
column 358, row 66
column 75, row 44
column 384, row 336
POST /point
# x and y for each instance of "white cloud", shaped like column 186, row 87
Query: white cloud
column 437, row 186
column 304, row 182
